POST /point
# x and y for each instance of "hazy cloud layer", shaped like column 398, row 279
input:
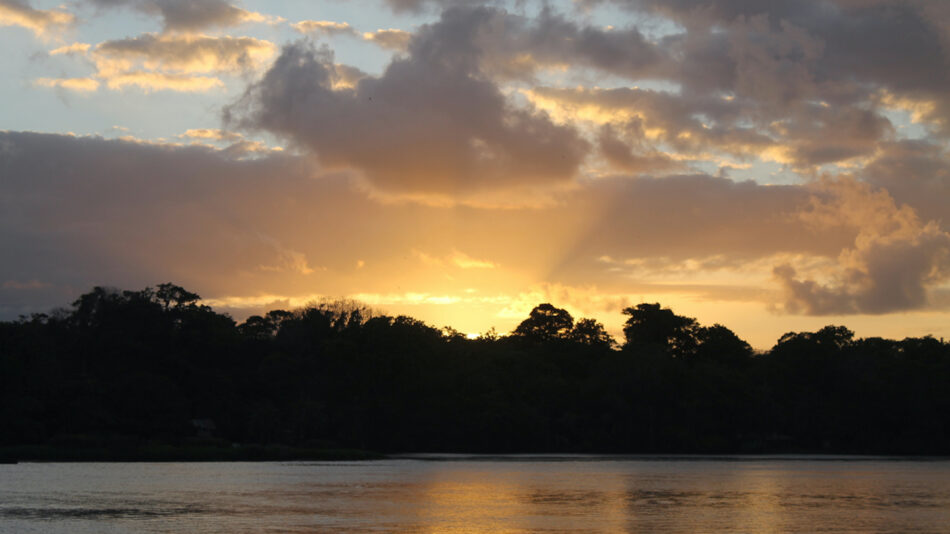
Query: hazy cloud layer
column 84, row 210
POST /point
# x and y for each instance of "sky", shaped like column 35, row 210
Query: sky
column 771, row 166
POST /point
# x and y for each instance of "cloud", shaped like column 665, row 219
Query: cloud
column 642, row 117
column 893, row 263
column 81, row 211
column 73, row 84
column 159, row 81
column 288, row 260
column 42, row 22
column 189, row 63
column 456, row 259
column 818, row 134
column 29, row 285
column 513, row 46
column 416, row 6
column 915, row 172
column 778, row 54
column 813, row 135
column 324, row 27
column 235, row 146
column 431, row 123
column 627, row 158
column 72, row 49
column 191, row 15
column 346, row 76
column 391, row 39
column 464, row 261
column 776, row 83
column 86, row 211
column 182, row 54
column 212, row 134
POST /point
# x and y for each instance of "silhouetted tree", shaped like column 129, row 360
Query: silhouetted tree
column 654, row 328
column 139, row 366
column 590, row 332
column 546, row 323
column 173, row 296
column 718, row 343
column 257, row 327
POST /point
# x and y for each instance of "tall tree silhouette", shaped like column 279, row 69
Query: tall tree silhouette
column 172, row 296
column 546, row 323
column 590, row 332
column 651, row 327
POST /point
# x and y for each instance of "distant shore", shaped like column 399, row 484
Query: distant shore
column 171, row 453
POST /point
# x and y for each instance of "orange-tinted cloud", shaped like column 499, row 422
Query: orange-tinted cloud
column 73, row 84
column 324, row 27
column 894, row 261
column 42, row 22
column 392, row 39
column 182, row 54
column 187, row 62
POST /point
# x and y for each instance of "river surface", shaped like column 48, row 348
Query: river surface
column 482, row 495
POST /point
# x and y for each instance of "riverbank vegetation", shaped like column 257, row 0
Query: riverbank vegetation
column 154, row 370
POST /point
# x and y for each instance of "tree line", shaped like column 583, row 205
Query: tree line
column 156, row 366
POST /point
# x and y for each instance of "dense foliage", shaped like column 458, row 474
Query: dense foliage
column 155, row 365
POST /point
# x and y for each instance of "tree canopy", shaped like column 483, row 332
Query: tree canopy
column 121, row 367
column 546, row 323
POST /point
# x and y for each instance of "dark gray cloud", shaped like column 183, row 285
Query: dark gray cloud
column 516, row 46
column 787, row 51
column 82, row 211
column 633, row 158
column 817, row 134
column 431, row 123
column 417, row 6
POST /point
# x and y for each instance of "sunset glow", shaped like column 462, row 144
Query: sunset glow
column 771, row 166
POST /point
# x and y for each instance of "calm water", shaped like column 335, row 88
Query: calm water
column 463, row 495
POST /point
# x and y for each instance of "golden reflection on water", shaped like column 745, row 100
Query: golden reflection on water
column 468, row 506
column 475, row 497
column 646, row 497
column 756, row 503
column 514, row 501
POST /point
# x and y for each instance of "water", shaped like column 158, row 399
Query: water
column 466, row 495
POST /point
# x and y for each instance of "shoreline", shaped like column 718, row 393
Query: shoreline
column 168, row 453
